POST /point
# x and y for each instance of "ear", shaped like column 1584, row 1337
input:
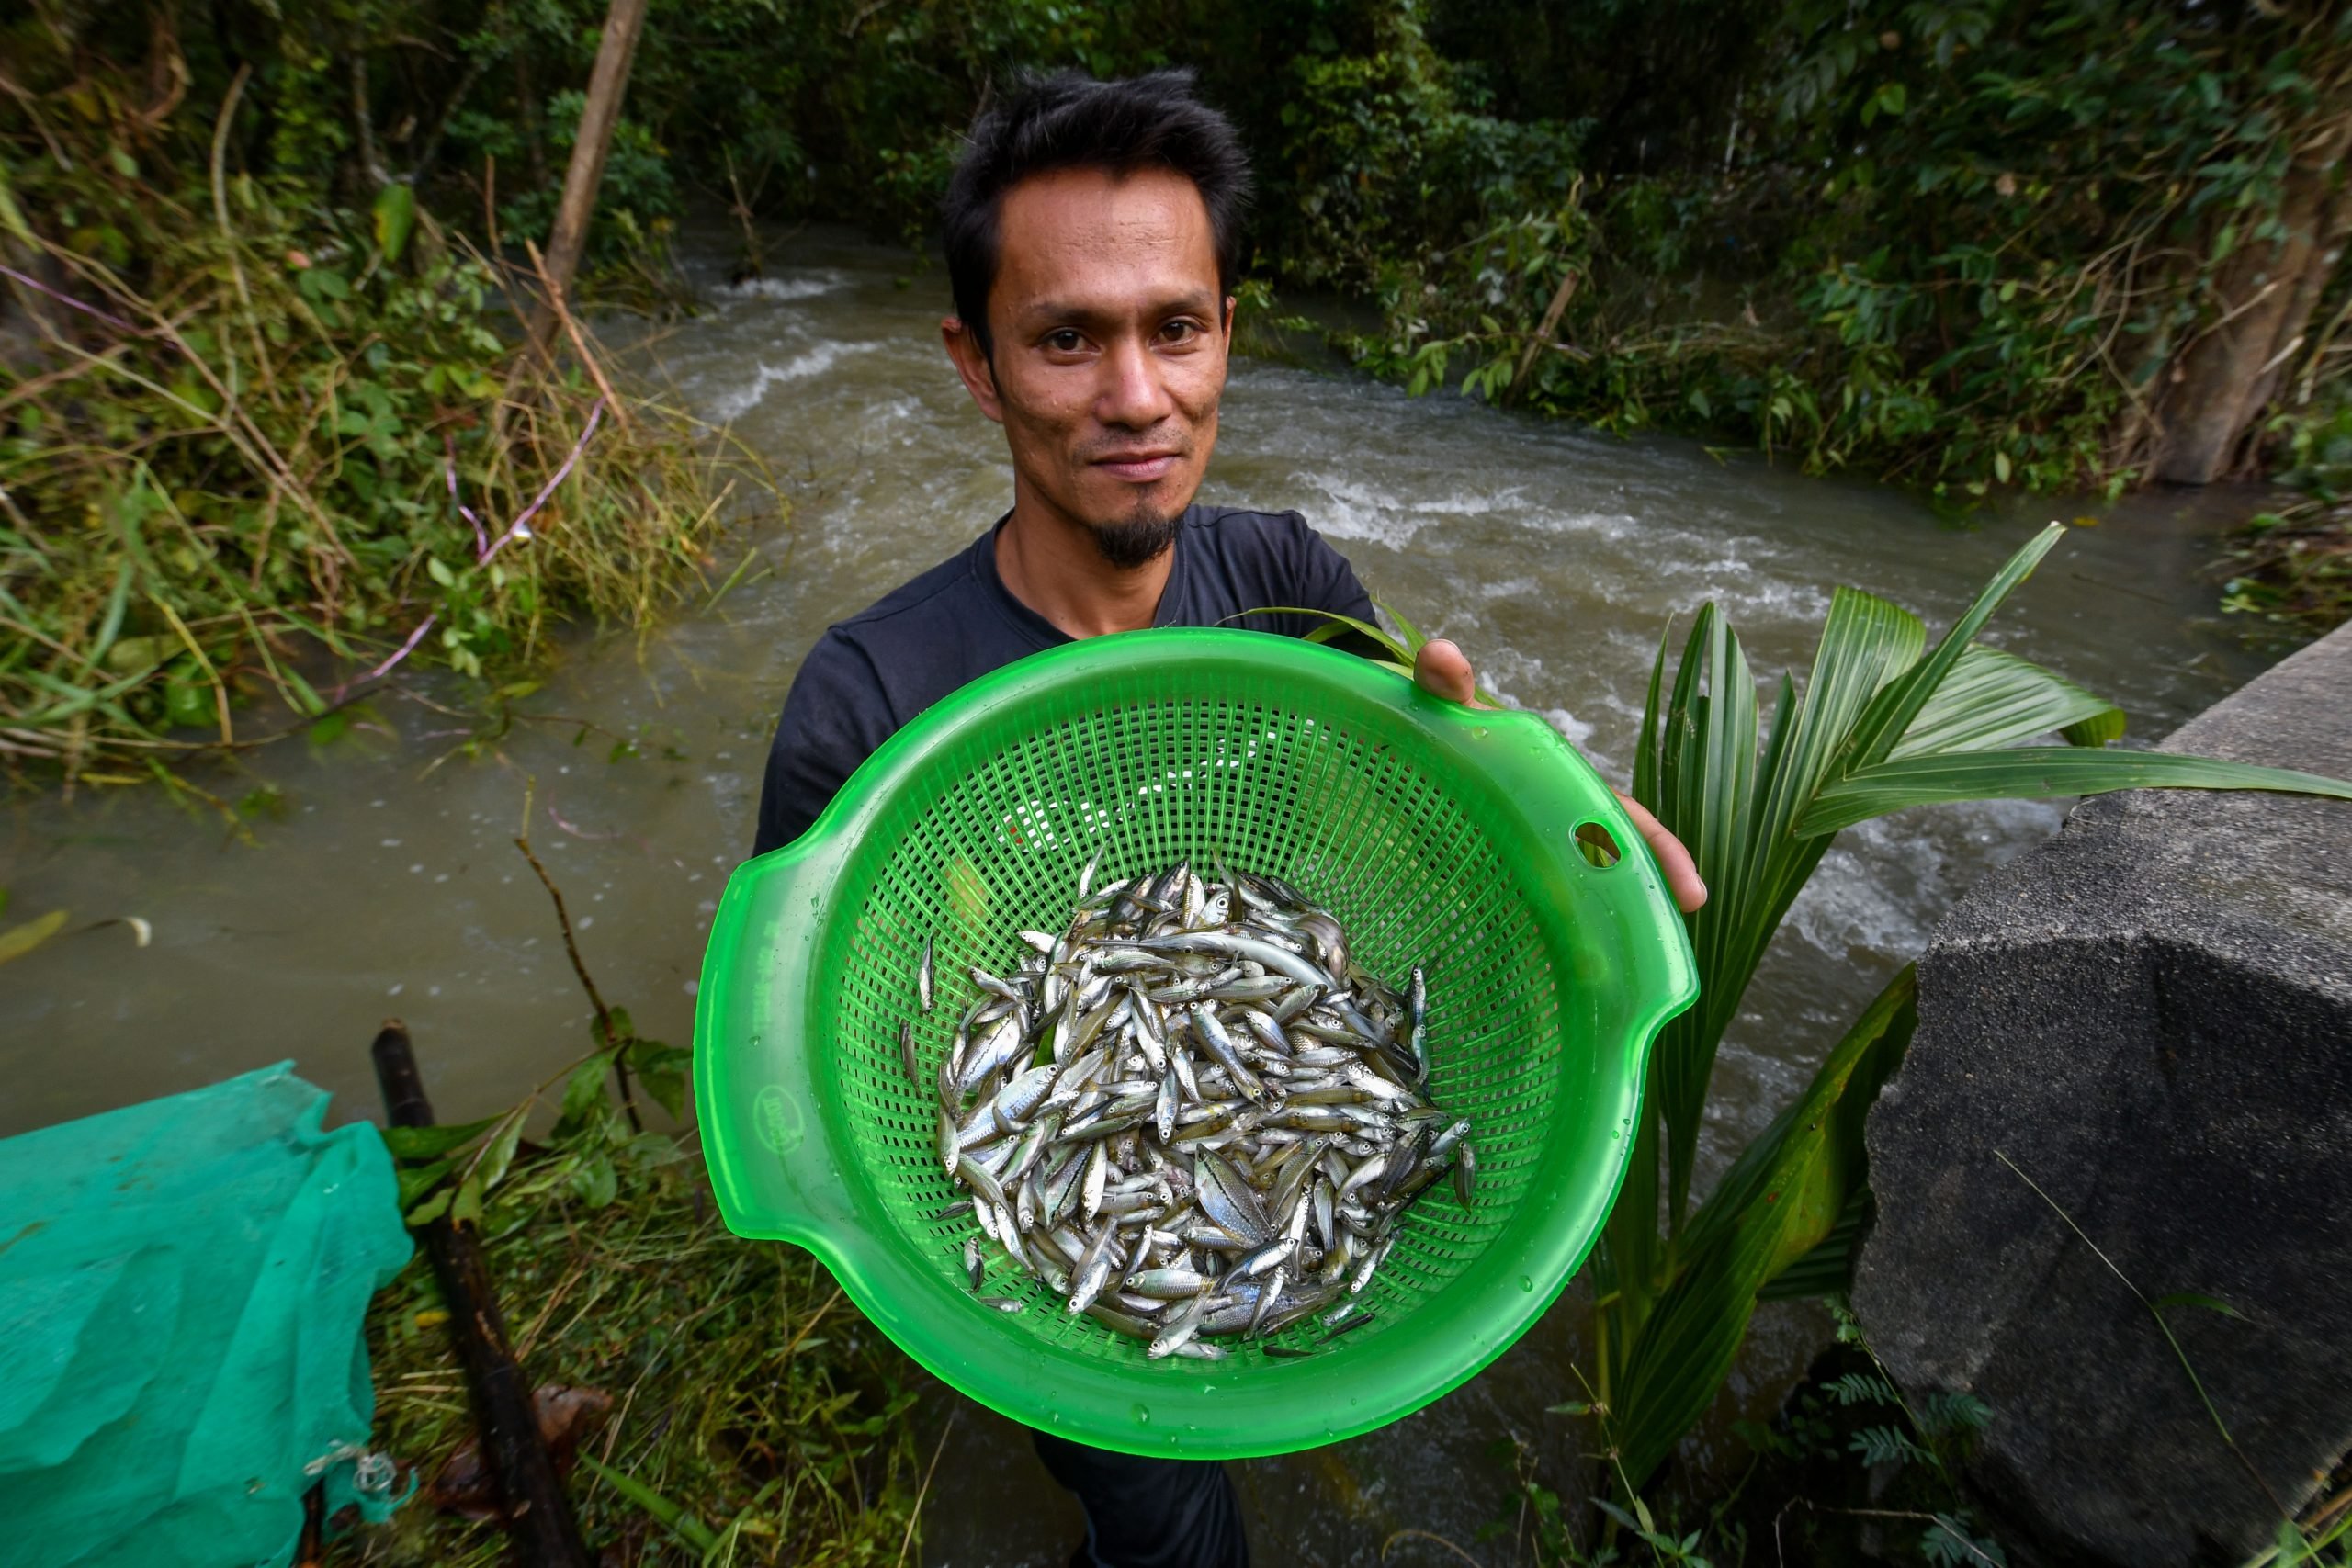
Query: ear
column 1230, row 301
column 972, row 365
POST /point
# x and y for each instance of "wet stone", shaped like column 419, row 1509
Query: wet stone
column 2151, row 1016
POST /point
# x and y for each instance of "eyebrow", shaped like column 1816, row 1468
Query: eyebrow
column 1198, row 302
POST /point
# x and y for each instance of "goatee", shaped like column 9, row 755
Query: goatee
column 1138, row 541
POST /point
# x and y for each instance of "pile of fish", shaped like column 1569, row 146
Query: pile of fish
column 1190, row 1111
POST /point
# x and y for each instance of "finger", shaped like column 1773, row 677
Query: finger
column 1439, row 669
column 1674, row 862
column 1443, row 670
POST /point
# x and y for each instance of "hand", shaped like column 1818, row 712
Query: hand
column 1441, row 670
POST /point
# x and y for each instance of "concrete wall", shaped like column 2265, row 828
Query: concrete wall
column 2150, row 1016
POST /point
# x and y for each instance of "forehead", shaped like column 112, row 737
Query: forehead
column 1091, row 236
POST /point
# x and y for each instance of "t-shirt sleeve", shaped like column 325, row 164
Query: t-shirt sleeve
column 1321, row 579
column 834, row 717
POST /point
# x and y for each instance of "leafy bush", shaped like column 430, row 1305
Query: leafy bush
column 243, row 426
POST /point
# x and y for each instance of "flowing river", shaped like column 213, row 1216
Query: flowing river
column 380, row 878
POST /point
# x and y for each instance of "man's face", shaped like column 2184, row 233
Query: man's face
column 1110, row 351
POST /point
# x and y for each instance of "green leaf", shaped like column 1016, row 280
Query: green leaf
column 1755, row 1221
column 19, row 940
column 465, row 1209
column 11, row 218
column 425, row 1142
column 1896, row 708
column 662, row 1070
column 1396, row 650
column 395, row 216
column 432, row 1209
column 2040, row 773
column 417, row 1180
column 595, row 1180
column 1828, row 1268
column 1886, row 1445
column 2197, row 1299
column 1993, row 699
column 583, row 1093
column 664, row 1512
column 1413, row 635
column 491, row 1167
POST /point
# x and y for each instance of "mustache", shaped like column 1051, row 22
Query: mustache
column 1174, row 440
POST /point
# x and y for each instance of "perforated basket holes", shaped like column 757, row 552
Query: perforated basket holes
column 989, row 842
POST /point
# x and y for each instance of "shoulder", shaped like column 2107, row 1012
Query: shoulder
column 913, row 601
column 1234, row 528
column 1270, row 558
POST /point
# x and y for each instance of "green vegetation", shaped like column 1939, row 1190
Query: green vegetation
column 261, row 421
column 1881, row 724
column 742, row 1410
column 725, row 1399
column 1964, row 245
column 2293, row 567
column 262, row 435
column 1845, row 1459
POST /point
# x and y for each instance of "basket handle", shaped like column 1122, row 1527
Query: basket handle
column 768, row 1139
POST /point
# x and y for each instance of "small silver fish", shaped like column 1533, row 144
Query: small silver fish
column 1189, row 1112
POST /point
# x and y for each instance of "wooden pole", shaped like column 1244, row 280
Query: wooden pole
column 539, row 1518
column 607, row 84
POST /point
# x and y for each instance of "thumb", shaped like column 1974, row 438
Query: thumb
column 1441, row 670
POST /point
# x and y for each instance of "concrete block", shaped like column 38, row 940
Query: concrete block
column 2151, row 1015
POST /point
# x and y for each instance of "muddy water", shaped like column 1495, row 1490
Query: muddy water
column 381, row 879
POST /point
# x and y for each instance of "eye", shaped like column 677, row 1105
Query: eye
column 1183, row 330
column 1065, row 340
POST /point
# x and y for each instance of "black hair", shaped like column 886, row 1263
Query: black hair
column 1069, row 120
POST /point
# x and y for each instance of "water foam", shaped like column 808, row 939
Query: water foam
column 732, row 405
column 806, row 286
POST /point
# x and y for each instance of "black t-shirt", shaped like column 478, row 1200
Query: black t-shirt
column 873, row 672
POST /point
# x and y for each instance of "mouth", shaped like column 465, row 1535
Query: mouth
column 1138, row 468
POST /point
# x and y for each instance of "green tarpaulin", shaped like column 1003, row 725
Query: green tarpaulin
column 182, row 1285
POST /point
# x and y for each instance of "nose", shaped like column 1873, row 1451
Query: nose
column 1132, row 394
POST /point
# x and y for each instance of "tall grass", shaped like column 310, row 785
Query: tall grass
column 746, row 1394
column 257, row 449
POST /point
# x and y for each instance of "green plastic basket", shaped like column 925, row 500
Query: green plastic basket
column 1437, row 834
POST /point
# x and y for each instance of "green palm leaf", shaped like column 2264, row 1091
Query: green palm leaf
column 1993, row 698
column 1876, row 726
column 2039, row 772
column 1779, row 1200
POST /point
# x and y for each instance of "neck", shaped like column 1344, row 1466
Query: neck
column 1051, row 563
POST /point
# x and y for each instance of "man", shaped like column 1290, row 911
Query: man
column 1093, row 246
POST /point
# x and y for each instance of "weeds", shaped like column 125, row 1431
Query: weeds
column 746, row 1395
column 752, row 1412
column 2293, row 567
column 255, row 445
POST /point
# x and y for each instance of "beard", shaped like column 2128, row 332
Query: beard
column 1137, row 541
